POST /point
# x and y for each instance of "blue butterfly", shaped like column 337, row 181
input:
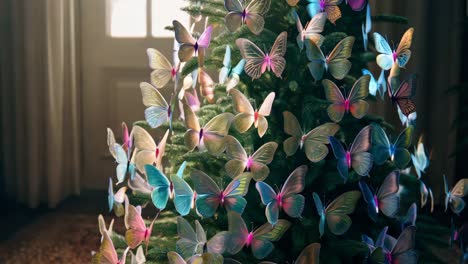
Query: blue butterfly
column 386, row 199
column 376, row 85
column 228, row 75
column 398, row 152
column 366, row 27
column 124, row 164
column 164, row 189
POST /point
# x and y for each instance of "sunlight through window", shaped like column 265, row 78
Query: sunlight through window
column 163, row 12
column 127, row 18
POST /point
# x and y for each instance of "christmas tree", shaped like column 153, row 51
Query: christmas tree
column 288, row 96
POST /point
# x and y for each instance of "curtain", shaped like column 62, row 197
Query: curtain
column 41, row 147
column 436, row 59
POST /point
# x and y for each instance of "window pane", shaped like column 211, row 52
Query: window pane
column 163, row 12
column 127, row 18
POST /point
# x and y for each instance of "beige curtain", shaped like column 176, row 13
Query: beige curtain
column 436, row 59
column 47, row 106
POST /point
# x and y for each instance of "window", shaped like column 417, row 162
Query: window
column 132, row 19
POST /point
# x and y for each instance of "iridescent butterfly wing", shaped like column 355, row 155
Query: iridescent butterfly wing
column 420, row 159
column 183, row 195
column 234, row 78
column 257, row 163
column 107, row 253
column 360, row 90
column 321, row 213
column 147, row 150
column 399, row 153
column 288, row 199
column 387, row 195
column 403, row 51
column 291, row 199
column 254, row 13
column 315, row 140
column 313, row 29
column 234, row 192
column 189, row 243
column 161, row 184
column 380, row 145
column 234, row 19
column 245, row 117
column 175, row 258
column 253, row 56
column 385, row 58
column 361, row 159
column 292, row 128
column 410, row 218
column 460, row 190
column 337, row 61
column 372, row 207
column 226, row 69
column 366, row 27
column 309, row 255
column 263, row 237
column 372, row 83
column 276, row 60
column 158, row 111
column 163, row 71
column 124, row 166
column 137, row 231
column 403, row 251
column 337, row 108
column 264, row 111
column 337, row 212
column 208, row 193
column 342, row 157
column 206, row 85
column 403, row 96
column 317, row 60
column 238, row 233
column 237, row 155
column 215, row 131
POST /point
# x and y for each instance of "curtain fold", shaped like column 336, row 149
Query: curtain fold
column 436, row 59
column 47, row 106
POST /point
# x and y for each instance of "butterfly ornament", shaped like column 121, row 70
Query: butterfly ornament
column 158, row 111
column 454, row 197
column 147, row 151
column 211, row 136
column 288, row 199
column 247, row 116
column 397, row 151
column 402, row 94
column 137, row 231
column 107, row 253
column 258, row 62
column 115, row 200
column 388, row 57
column 330, row 7
column 251, row 15
column 194, row 242
column 420, row 159
column 366, row 26
column 378, row 85
column 314, row 142
column 259, row 240
column 256, row 163
column 312, row 29
column 357, row 156
column 354, row 103
column 386, row 199
column 177, row 188
column 163, row 70
column 189, row 46
column 228, row 75
column 336, row 213
column 336, row 62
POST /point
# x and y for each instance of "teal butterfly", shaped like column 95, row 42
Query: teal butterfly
column 397, row 152
column 164, row 189
column 336, row 213
column 124, row 164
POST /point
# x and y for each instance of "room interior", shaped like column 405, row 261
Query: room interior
column 70, row 69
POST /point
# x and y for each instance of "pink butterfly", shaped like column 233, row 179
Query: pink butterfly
column 137, row 232
column 259, row 240
column 257, row 62
column 189, row 46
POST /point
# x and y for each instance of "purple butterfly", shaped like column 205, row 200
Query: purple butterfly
column 356, row 157
column 386, row 198
column 287, row 199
